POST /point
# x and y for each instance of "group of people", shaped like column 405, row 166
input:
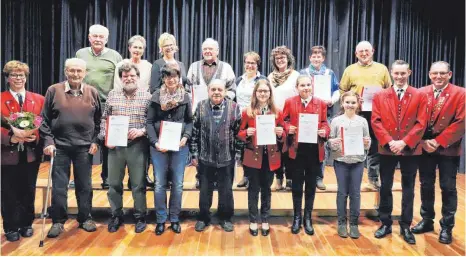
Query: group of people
column 417, row 128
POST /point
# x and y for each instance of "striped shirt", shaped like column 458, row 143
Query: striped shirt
column 134, row 106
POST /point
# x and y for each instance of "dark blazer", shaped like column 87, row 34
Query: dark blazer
column 409, row 127
column 253, row 153
column 156, row 75
column 32, row 103
column 446, row 119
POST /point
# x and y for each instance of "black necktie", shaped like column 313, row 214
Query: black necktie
column 400, row 91
column 20, row 100
column 437, row 92
column 304, row 103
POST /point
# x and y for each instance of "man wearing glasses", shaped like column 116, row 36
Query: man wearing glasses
column 101, row 63
column 441, row 146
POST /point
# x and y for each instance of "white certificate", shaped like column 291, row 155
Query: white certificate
column 199, row 93
column 117, row 130
column 265, row 130
column 353, row 143
column 307, row 128
column 322, row 87
column 368, row 93
column 170, row 135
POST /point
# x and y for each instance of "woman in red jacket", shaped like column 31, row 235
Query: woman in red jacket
column 260, row 161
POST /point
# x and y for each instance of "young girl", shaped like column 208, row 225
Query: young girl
column 348, row 168
column 260, row 161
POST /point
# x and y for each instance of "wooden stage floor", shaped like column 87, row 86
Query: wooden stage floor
column 214, row 241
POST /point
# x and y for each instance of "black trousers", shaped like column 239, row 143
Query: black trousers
column 82, row 168
column 448, row 166
column 260, row 180
column 18, row 193
column 285, row 168
column 306, row 167
column 408, row 165
column 224, row 178
column 373, row 156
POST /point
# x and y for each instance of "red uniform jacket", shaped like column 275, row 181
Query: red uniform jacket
column 293, row 107
column 32, row 103
column 446, row 118
column 395, row 120
column 252, row 152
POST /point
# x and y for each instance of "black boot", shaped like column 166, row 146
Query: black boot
column 342, row 227
column 308, row 223
column 296, row 227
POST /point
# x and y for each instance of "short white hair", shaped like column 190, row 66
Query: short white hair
column 75, row 62
column 99, row 30
column 218, row 82
column 210, row 41
column 364, row 43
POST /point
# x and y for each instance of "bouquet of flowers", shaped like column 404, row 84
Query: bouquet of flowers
column 24, row 124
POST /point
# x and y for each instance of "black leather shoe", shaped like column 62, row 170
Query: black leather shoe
column 114, row 224
column 408, row 236
column 140, row 226
column 265, row 232
column 296, row 227
column 176, row 227
column 253, row 232
column 243, row 183
column 104, row 184
column 26, row 231
column 160, row 228
column 12, row 236
column 383, row 231
column 445, row 236
column 200, row 226
column 308, row 226
column 198, row 185
column 129, row 184
column 423, row 226
column 149, row 182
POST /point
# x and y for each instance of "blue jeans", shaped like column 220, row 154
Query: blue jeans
column 349, row 178
column 162, row 162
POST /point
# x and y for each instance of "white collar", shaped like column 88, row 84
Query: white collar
column 441, row 89
column 15, row 94
column 306, row 101
column 68, row 87
column 405, row 87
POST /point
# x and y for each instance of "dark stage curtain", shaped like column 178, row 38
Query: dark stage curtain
column 44, row 33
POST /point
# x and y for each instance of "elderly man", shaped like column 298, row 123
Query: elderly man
column 216, row 124
column 132, row 101
column 441, row 147
column 201, row 73
column 399, row 119
column 70, row 127
column 367, row 73
column 101, row 64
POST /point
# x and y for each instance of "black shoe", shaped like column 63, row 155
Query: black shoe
column 176, row 227
column 71, row 184
column 200, row 226
column 354, row 231
column 129, row 184
column 114, row 224
column 149, row 182
column 374, row 183
column 104, row 184
column 265, row 232
column 12, row 236
column 140, row 226
column 342, row 229
column 383, row 231
column 308, row 226
column 226, row 225
column 423, row 226
column 26, row 231
column 320, row 184
column 160, row 228
column 408, row 236
column 296, row 227
column 243, row 183
column 445, row 236
column 288, row 185
column 198, row 185
column 253, row 232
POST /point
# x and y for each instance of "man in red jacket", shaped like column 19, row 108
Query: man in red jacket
column 441, row 146
column 399, row 117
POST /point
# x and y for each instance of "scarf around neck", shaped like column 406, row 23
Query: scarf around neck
column 279, row 78
column 171, row 100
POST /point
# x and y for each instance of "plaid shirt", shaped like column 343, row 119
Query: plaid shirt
column 134, row 106
column 217, row 111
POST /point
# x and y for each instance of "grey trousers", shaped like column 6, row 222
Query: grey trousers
column 135, row 157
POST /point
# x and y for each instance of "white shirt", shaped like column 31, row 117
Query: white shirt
column 404, row 88
column 15, row 95
column 306, row 101
column 244, row 91
column 285, row 90
column 144, row 68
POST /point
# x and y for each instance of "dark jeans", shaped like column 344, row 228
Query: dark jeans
column 349, row 178
column 104, row 153
column 320, row 175
column 18, row 193
column 373, row 156
column 224, row 178
column 408, row 166
column 285, row 168
column 82, row 170
column 306, row 166
column 447, row 166
column 260, row 180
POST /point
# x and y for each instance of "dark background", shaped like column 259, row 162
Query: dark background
column 44, row 33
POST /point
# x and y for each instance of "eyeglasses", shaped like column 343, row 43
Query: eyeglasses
column 15, row 76
column 281, row 58
column 263, row 91
column 441, row 73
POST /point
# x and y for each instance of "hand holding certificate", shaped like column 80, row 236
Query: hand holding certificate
column 170, row 136
column 367, row 95
column 307, row 128
column 352, row 141
column 117, row 131
column 322, row 87
column 265, row 130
